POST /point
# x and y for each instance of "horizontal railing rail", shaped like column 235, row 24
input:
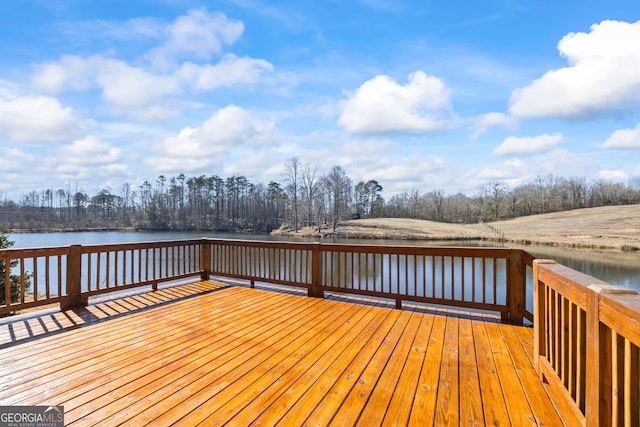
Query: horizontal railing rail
column 109, row 267
column 32, row 277
column 272, row 262
column 70, row 275
column 586, row 341
column 477, row 278
column 492, row 279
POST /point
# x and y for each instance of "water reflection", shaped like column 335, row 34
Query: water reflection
column 615, row 268
column 622, row 269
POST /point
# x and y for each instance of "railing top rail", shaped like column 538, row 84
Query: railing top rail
column 63, row 250
column 498, row 252
column 569, row 282
column 527, row 257
column 568, row 274
column 261, row 243
column 479, row 251
column 139, row 245
column 13, row 253
column 621, row 312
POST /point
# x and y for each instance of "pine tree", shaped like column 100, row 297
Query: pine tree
column 14, row 279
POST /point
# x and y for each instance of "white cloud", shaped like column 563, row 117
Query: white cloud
column 135, row 91
column 382, row 105
column 254, row 163
column 149, row 91
column 127, row 90
column 70, row 72
column 613, row 175
column 564, row 163
column 624, row 138
column 139, row 92
column 231, row 70
column 232, row 126
column 603, row 75
column 37, row 118
column 415, row 168
column 558, row 162
column 16, row 160
column 8, row 90
column 527, row 145
column 227, row 130
column 198, row 34
column 132, row 29
column 482, row 124
column 93, row 177
column 169, row 165
column 88, row 151
column 508, row 170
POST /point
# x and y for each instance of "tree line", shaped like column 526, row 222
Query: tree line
column 305, row 197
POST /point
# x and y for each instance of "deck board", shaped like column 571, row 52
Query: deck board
column 213, row 353
column 301, row 398
column 518, row 406
column 399, row 409
column 494, row 400
column 471, row 412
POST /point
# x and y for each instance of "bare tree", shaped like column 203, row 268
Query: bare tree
column 338, row 187
column 437, row 198
column 292, row 172
column 491, row 197
column 311, row 186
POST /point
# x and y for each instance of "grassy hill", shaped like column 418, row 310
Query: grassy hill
column 610, row 227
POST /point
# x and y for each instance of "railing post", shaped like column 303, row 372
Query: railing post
column 516, row 288
column 73, row 286
column 205, row 259
column 599, row 387
column 539, row 315
column 597, row 401
column 315, row 290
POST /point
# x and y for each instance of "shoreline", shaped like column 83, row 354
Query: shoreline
column 608, row 229
column 578, row 246
column 603, row 229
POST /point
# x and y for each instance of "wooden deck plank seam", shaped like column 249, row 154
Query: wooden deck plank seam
column 156, row 394
column 56, row 356
column 113, row 354
column 238, row 355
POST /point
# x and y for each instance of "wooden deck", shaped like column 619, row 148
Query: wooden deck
column 213, row 354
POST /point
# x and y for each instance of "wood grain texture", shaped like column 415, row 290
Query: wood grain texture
column 210, row 353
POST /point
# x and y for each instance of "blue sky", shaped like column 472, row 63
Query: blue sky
column 417, row 95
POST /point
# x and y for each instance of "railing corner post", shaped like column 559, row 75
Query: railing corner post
column 205, row 259
column 516, row 288
column 73, row 285
column 315, row 289
column 539, row 314
column 599, row 387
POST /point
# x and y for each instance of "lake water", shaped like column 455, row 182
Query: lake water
column 616, row 268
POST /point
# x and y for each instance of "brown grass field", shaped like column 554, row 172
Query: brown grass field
column 614, row 228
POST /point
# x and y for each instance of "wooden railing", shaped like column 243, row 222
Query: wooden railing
column 69, row 275
column 492, row 279
column 42, row 269
column 587, row 335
